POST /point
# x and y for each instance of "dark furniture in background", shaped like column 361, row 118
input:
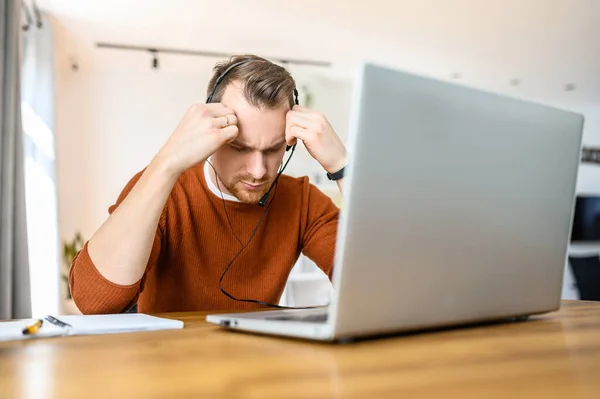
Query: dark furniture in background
column 586, row 231
column 586, row 220
column 586, row 271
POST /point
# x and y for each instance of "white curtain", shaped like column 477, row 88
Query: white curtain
column 14, row 272
column 37, row 104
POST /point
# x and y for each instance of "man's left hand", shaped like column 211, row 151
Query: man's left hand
column 319, row 138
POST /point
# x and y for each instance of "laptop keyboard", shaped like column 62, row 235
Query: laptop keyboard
column 312, row 318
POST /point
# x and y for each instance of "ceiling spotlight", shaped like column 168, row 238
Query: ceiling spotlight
column 570, row 87
column 515, row 82
column 154, row 58
column 455, row 75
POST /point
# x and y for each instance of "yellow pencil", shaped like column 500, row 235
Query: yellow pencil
column 32, row 329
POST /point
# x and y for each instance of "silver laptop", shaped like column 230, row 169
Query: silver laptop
column 458, row 206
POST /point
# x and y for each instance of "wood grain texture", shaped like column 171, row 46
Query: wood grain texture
column 551, row 356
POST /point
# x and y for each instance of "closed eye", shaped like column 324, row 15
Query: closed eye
column 276, row 148
column 239, row 149
column 273, row 150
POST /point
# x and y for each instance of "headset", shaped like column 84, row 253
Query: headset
column 263, row 202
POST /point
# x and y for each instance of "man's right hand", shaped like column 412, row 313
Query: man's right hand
column 122, row 247
column 203, row 129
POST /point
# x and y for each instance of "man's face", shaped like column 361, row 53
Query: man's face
column 248, row 165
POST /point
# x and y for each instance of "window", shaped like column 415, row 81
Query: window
column 42, row 218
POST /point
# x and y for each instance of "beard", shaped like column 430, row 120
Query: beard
column 238, row 190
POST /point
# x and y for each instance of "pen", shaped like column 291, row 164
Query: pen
column 57, row 322
column 32, row 329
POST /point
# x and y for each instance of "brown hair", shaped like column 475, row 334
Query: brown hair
column 265, row 84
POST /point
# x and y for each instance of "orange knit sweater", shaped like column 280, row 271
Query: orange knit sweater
column 194, row 244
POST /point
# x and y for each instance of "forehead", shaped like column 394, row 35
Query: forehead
column 259, row 128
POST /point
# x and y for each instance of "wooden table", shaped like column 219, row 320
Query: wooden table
column 554, row 355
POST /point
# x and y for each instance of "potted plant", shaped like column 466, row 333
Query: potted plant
column 70, row 250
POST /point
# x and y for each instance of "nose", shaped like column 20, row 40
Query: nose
column 257, row 165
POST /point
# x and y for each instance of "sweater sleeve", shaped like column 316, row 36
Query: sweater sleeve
column 92, row 292
column 319, row 236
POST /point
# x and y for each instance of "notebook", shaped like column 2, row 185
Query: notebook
column 87, row 325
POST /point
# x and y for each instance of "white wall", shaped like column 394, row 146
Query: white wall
column 110, row 123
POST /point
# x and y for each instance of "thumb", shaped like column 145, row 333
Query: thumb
column 291, row 140
column 229, row 133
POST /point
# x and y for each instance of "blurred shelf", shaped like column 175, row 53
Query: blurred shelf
column 584, row 249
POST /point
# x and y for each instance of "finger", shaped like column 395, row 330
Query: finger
column 310, row 114
column 225, row 120
column 306, row 111
column 229, row 133
column 291, row 140
column 300, row 108
column 218, row 109
column 296, row 132
column 302, row 120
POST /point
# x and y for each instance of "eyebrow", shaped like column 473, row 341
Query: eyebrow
column 272, row 147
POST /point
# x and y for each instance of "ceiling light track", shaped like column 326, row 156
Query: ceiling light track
column 212, row 54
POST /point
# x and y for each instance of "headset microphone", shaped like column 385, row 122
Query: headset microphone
column 263, row 201
column 265, row 198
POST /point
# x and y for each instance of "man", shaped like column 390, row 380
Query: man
column 190, row 214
